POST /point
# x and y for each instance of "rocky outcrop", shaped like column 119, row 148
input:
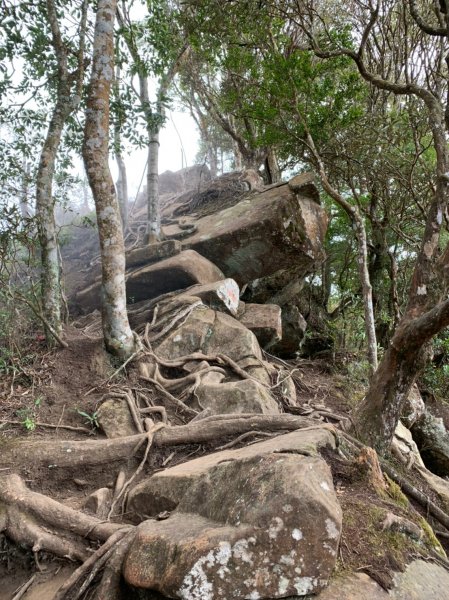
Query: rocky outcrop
column 264, row 320
column 260, row 522
column 246, row 396
column 432, row 439
column 175, row 273
column 261, row 234
column 152, row 253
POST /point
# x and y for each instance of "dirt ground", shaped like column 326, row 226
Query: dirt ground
column 64, row 387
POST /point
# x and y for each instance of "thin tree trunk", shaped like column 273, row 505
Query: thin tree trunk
column 66, row 102
column 117, row 333
column 272, row 166
column 122, row 180
column 122, row 189
column 153, row 210
column 25, row 210
column 362, row 251
column 46, row 224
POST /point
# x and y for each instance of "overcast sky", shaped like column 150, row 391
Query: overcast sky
column 178, row 148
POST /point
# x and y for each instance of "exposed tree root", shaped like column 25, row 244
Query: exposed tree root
column 116, row 543
column 64, row 453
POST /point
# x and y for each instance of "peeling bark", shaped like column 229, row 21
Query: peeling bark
column 117, row 333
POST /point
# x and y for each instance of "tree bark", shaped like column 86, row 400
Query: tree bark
column 66, row 102
column 153, row 211
column 117, row 333
column 122, row 180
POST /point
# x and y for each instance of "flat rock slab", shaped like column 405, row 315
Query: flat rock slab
column 264, row 320
column 259, row 522
column 175, row 273
column 421, row 580
column 152, row 253
column 263, row 233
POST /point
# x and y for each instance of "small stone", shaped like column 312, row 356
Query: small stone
column 115, row 419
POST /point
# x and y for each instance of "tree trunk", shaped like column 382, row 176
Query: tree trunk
column 117, row 333
column 378, row 414
column 122, row 189
column 25, row 209
column 122, row 180
column 153, row 208
column 272, row 166
column 46, row 224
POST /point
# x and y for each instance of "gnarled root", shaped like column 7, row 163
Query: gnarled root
column 42, row 523
column 66, row 453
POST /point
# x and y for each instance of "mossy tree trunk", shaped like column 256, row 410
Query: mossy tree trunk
column 68, row 96
column 117, row 333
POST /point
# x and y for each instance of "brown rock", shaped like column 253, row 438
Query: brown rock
column 115, row 419
column 293, row 331
column 152, row 253
column 260, row 522
column 305, row 183
column 221, row 295
column 245, row 396
column 99, row 502
column 262, row 234
column 176, row 273
column 210, row 332
column 264, row 320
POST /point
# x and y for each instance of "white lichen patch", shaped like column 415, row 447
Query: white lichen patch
column 329, row 548
column 287, row 508
column 276, row 526
column 325, row 486
column 283, row 585
column 304, row 585
column 241, row 551
column 196, row 585
column 332, row 529
column 422, row 290
column 297, row 534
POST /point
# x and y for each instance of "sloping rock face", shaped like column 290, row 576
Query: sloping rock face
column 262, row 234
column 226, row 190
column 259, row 522
column 420, row 581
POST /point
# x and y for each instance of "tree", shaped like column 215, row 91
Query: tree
column 157, row 50
column 68, row 96
column 395, row 70
column 117, row 333
column 63, row 44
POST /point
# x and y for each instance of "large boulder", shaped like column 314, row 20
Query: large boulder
column 152, row 253
column 210, row 332
column 264, row 320
column 261, row 234
column 259, row 522
column 245, row 396
column 175, row 273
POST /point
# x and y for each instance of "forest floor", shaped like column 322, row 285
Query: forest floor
column 55, row 395
column 52, row 391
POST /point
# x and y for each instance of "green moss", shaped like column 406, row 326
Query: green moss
column 430, row 538
column 395, row 493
